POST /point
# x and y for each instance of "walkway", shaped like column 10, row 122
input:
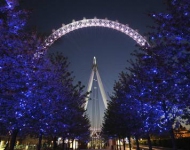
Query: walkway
column 155, row 148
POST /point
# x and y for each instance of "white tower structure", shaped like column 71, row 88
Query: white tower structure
column 94, row 86
column 95, row 72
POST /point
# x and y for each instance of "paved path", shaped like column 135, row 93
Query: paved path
column 155, row 148
column 141, row 147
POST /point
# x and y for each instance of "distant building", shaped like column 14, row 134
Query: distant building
column 182, row 132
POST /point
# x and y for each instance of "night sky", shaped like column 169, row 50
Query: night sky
column 111, row 48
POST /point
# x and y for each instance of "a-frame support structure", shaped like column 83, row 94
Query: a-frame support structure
column 89, row 88
column 94, row 86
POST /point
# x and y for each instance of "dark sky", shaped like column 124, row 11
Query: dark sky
column 111, row 48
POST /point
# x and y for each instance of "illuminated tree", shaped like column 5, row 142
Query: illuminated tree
column 57, row 104
column 72, row 100
column 143, row 88
column 112, row 123
column 160, row 76
column 123, row 115
column 171, row 41
column 16, row 66
column 76, row 118
column 112, row 120
column 36, row 93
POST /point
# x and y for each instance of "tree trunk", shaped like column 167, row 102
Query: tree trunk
column 40, row 141
column 116, row 144
column 13, row 139
column 137, row 143
column 63, row 144
column 72, row 143
column 149, row 142
column 129, row 138
column 117, row 148
column 66, row 145
column 119, row 144
column 123, row 144
column 54, row 142
column 173, row 139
